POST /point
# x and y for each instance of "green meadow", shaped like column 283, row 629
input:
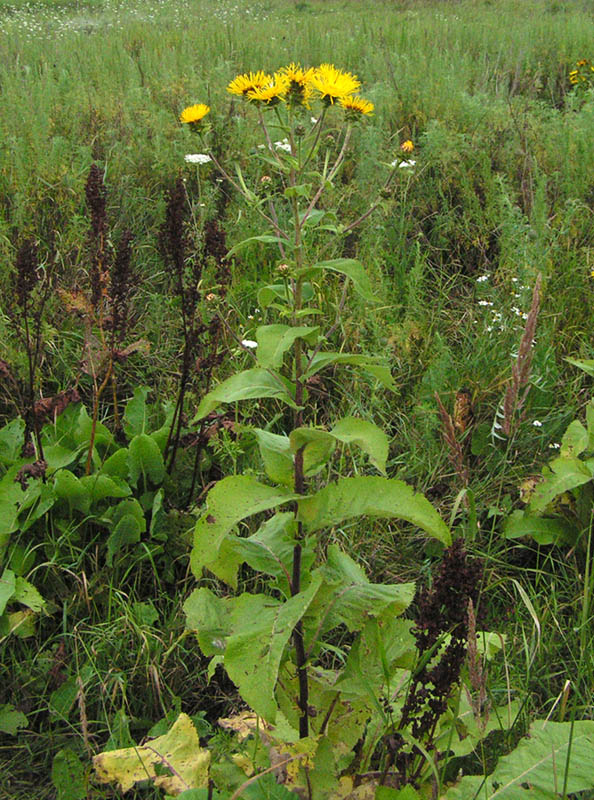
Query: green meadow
column 449, row 275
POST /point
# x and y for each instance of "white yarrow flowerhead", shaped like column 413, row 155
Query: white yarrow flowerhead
column 283, row 145
column 403, row 164
column 197, row 158
column 537, row 423
column 249, row 343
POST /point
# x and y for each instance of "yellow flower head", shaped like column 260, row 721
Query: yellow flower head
column 407, row 146
column 248, row 82
column 299, row 84
column 356, row 106
column 332, row 83
column 272, row 93
column 194, row 114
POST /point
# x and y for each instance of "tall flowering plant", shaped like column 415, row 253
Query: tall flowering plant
column 307, row 700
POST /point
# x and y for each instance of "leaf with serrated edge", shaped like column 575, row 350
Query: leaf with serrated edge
column 375, row 497
column 231, row 500
column 540, row 762
column 251, row 384
column 275, row 340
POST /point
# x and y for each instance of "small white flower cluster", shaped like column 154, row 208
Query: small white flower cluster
column 283, row 144
column 403, row 164
column 197, row 158
column 249, row 343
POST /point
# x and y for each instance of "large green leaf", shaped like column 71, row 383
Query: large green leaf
column 231, row 500
column 7, row 586
column 248, row 385
column 253, row 655
column 209, row 617
column 538, row 764
column 136, row 413
column 145, row 458
column 281, row 291
column 68, row 776
column 349, row 598
column 26, row 594
column 350, row 267
column 11, row 720
column 370, row 364
column 275, row 340
column 275, row 450
column 68, row 488
column 374, row 497
column 317, row 445
column 566, row 473
column 12, row 437
column 543, row 531
column 365, row 435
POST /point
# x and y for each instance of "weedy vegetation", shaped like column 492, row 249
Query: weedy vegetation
column 296, row 411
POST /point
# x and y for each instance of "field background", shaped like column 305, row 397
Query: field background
column 502, row 190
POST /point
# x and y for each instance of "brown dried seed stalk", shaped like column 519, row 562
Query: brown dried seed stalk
column 455, row 451
column 517, row 390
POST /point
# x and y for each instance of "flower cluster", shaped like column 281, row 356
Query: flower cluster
column 583, row 74
column 298, row 86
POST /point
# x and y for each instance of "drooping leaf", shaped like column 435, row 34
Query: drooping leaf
column 317, row 445
column 543, row 531
column 248, row 385
column 7, row 586
column 574, row 441
column 63, row 698
column 26, row 594
column 136, row 413
column 280, row 291
column 145, row 458
column 231, row 500
column 68, row 776
column 210, row 617
column 567, row 473
column 275, row 340
column 101, row 486
column 180, row 748
column 265, row 238
column 253, row 654
column 539, row 762
column 11, row 442
column 68, row 487
column 587, row 365
column 352, row 600
column 374, row 366
column 350, row 267
column 374, row 497
column 128, row 523
column 275, row 451
column 349, row 430
column 11, row 720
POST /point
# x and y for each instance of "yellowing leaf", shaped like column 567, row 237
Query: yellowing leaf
column 179, row 750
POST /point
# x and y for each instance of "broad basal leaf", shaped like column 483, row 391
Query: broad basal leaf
column 248, row 385
column 136, row 412
column 180, row 749
column 374, row 497
column 538, row 763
